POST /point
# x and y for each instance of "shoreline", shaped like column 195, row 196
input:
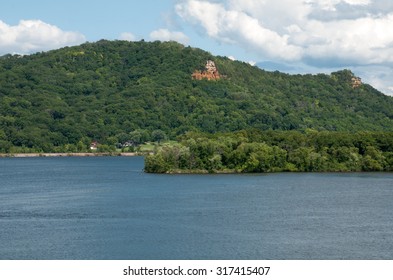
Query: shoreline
column 31, row 155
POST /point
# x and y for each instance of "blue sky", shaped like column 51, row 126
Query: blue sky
column 104, row 19
column 295, row 36
column 95, row 19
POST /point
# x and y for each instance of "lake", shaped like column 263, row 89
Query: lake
column 108, row 208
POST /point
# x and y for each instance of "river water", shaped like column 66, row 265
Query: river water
column 108, row 208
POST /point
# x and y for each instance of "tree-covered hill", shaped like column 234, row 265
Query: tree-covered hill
column 116, row 91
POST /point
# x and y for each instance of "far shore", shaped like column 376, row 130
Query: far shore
column 28, row 155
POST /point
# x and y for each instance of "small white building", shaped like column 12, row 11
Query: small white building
column 93, row 145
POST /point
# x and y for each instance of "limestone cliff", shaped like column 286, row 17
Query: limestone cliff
column 356, row 82
column 210, row 72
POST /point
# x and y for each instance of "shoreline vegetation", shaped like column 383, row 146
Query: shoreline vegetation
column 31, row 155
column 255, row 151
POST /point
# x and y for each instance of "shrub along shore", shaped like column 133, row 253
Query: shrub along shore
column 256, row 151
column 29, row 155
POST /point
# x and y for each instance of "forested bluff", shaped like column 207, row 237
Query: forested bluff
column 225, row 116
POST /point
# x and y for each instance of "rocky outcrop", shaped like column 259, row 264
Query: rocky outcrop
column 210, row 73
column 356, row 82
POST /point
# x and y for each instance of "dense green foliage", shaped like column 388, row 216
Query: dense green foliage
column 117, row 92
column 274, row 151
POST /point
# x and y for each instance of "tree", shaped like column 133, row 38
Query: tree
column 373, row 160
column 156, row 164
column 158, row 135
column 135, row 137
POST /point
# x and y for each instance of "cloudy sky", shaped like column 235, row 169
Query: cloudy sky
column 294, row 36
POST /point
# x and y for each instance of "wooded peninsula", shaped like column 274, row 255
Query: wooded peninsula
column 275, row 151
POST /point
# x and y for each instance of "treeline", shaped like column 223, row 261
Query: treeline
column 122, row 142
column 272, row 151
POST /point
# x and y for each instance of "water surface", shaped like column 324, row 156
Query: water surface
column 107, row 208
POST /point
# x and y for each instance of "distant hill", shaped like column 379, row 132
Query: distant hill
column 109, row 90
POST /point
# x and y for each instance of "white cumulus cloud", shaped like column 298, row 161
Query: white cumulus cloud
column 235, row 26
column 366, row 40
column 167, row 35
column 358, row 2
column 290, row 30
column 330, row 5
column 127, row 36
column 35, row 35
column 320, row 34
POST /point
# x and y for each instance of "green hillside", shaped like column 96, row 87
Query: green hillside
column 113, row 92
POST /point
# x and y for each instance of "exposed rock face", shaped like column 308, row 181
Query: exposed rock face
column 210, row 72
column 356, row 82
